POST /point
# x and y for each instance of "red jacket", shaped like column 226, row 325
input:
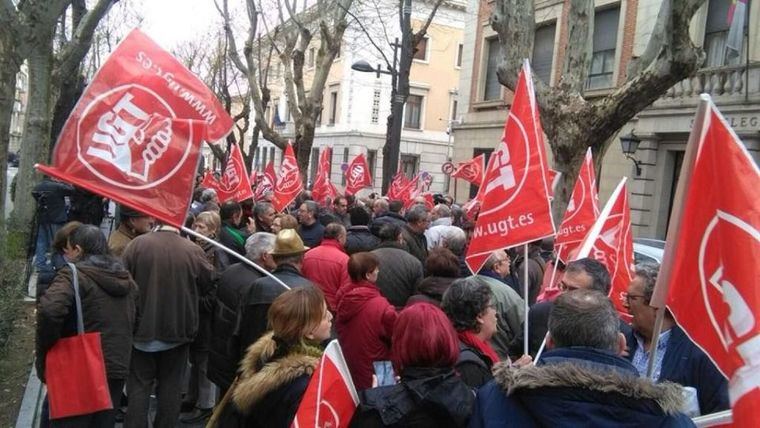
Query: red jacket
column 327, row 266
column 364, row 322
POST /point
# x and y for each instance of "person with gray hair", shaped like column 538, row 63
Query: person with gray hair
column 233, row 286
column 440, row 215
column 678, row 359
column 582, row 380
column 399, row 271
column 417, row 221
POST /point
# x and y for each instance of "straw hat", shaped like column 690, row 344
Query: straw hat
column 288, row 243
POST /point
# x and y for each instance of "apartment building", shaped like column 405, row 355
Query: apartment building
column 621, row 31
column 356, row 104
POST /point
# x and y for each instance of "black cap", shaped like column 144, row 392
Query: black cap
column 127, row 212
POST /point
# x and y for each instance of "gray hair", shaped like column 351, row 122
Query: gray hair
column 584, row 318
column 312, row 207
column 416, row 214
column 494, row 258
column 455, row 240
column 259, row 244
column 648, row 272
column 600, row 277
column 208, row 195
column 464, row 300
column 261, row 208
column 442, row 210
column 382, row 203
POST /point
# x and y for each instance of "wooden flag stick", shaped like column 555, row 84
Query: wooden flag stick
column 235, row 255
column 525, row 298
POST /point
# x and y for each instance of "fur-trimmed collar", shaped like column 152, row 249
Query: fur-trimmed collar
column 568, row 374
column 253, row 385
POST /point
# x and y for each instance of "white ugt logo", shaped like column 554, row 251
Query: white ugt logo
column 506, row 174
column 740, row 322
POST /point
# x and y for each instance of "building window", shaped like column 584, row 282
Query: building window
column 271, row 154
column 460, row 52
column 264, row 157
column 333, row 107
column 345, row 162
column 476, row 153
column 492, row 87
column 543, row 52
column 409, row 165
column 371, row 163
column 605, row 41
column 314, row 164
column 413, row 112
column 421, row 52
column 454, row 106
column 312, row 57
column 716, row 36
column 376, row 107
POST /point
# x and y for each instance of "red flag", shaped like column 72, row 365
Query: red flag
column 582, row 211
column 610, row 242
column 323, row 187
column 515, row 207
column 135, row 132
column 397, row 186
column 471, row 170
column 288, row 184
column 357, row 175
column 330, row 398
column 264, row 182
column 412, row 189
column 234, row 183
column 712, row 273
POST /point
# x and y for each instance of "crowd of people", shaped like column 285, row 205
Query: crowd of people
column 217, row 340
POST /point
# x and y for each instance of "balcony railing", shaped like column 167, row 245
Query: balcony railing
column 718, row 82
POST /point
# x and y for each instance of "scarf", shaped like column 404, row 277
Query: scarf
column 471, row 339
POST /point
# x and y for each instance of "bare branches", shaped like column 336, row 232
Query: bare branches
column 514, row 22
column 423, row 30
column 578, row 51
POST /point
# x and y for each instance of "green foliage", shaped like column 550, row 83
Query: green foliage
column 12, row 269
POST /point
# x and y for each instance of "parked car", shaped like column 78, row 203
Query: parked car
column 648, row 250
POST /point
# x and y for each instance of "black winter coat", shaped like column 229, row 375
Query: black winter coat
column 426, row 397
column 359, row 239
column 51, row 203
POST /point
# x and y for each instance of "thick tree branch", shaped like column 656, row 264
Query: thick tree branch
column 578, row 50
column 514, row 22
column 71, row 57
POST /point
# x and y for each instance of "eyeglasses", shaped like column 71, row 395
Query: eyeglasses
column 629, row 297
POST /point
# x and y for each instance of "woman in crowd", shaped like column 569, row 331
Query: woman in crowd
column 468, row 305
column 276, row 369
column 442, row 268
column 57, row 260
column 284, row 221
column 108, row 296
column 425, row 349
column 207, row 224
column 364, row 319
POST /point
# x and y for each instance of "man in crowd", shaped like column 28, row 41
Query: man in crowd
column 379, row 207
column 456, row 241
column 230, row 234
column 417, row 222
column 536, row 266
column 209, row 200
column 509, row 306
column 440, row 215
column 232, row 288
column 311, row 231
column 399, row 271
column 172, row 274
column 678, row 359
column 288, row 256
column 393, row 215
column 359, row 238
column 263, row 216
column 132, row 224
column 327, row 264
column 585, row 274
column 581, row 380
column 51, row 215
column 340, row 210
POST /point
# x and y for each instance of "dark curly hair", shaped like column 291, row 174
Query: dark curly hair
column 464, row 301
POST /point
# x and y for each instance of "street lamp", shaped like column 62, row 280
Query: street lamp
column 630, row 143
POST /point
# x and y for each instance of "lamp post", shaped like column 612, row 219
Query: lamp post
column 399, row 73
column 630, row 143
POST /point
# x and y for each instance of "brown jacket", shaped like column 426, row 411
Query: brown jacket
column 172, row 273
column 109, row 298
column 119, row 239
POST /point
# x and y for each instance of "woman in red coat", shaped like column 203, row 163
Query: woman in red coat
column 364, row 320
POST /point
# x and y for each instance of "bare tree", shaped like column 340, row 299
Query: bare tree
column 31, row 27
column 573, row 122
column 281, row 32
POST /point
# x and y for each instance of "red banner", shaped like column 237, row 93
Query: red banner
column 357, row 175
column 264, row 182
column 611, row 243
column 471, row 170
column 397, row 186
column 135, row 133
column 515, row 207
column 330, row 399
column 713, row 284
column 582, row 211
column 234, row 183
column 323, row 187
column 288, row 184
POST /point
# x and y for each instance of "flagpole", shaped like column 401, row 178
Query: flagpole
column 525, row 298
column 554, row 271
column 541, row 348
column 234, row 254
column 660, row 293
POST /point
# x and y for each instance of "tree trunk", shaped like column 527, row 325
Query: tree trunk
column 8, row 70
column 35, row 144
